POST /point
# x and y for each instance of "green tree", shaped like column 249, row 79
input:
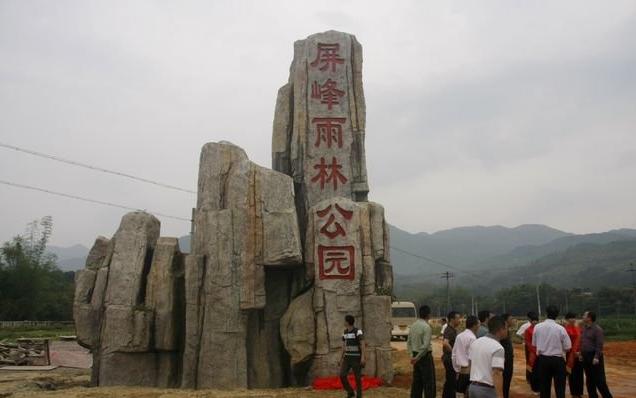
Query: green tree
column 31, row 285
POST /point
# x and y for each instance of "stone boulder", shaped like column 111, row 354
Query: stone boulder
column 129, row 305
column 245, row 233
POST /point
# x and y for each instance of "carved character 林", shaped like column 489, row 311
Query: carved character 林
column 329, row 173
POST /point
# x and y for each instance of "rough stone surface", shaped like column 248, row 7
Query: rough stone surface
column 344, row 248
column 298, row 328
column 318, row 139
column 245, row 223
column 319, row 93
column 134, row 241
column 98, row 252
column 194, row 275
column 128, row 306
column 164, row 293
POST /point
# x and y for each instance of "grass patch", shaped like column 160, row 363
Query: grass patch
column 53, row 332
column 619, row 328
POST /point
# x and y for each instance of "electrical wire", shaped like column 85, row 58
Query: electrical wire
column 101, row 202
column 95, row 168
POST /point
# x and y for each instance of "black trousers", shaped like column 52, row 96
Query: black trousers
column 450, row 384
column 551, row 368
column 463, row 381
column 595, row 376
column 349, row 363
column 575, row 378
column 424, row 377
column 532, row 377
column 507, row 376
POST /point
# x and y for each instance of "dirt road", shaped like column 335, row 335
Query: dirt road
column 73, row 383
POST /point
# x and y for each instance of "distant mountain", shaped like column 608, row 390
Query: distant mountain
column 464, row 246
column 486, row 249
column 69, row 258
column 586, row 265
column 523, row 255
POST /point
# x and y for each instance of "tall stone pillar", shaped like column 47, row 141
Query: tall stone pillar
column 318, row 139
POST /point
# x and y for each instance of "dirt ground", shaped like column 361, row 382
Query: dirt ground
column 73, row 383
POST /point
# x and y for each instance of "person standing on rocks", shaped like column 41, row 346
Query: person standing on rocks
column 353, row 356
column 418, row 345
column 450, row 334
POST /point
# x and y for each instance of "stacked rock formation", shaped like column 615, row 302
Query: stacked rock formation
column 128, row 305
column 278, row 257
column 245, row 235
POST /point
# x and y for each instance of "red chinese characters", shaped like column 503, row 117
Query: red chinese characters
column 332, row 228
column 329, row 173
column 327, row 56
column 328, row 93
column 335, row 261
column 328, row 130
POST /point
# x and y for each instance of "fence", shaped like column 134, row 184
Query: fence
column 34, row 324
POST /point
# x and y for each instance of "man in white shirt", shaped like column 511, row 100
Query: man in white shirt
column 552, row 342
column 461, row 363
column 526, row 325
column 487, row 361
column 444, row 326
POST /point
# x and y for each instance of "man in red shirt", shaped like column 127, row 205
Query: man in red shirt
column 574, row 364
column 532, row 375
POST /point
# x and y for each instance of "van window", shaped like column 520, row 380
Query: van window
column 404, row 312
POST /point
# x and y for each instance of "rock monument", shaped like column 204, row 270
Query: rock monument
column 278, row 257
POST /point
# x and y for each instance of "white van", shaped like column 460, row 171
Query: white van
column 403, row 314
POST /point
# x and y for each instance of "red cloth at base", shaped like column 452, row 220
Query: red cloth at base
column 333, row 383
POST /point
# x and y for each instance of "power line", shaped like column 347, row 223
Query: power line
column 95, row 168
column 13, row 184
column 435, row 261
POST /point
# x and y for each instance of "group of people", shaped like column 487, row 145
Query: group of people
column 478, row 362
column 547, row 342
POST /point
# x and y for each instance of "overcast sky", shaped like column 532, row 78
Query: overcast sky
column 478, row 113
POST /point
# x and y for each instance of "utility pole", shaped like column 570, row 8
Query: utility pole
column 472, row 304
column 448, row 275
column 632, row 270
